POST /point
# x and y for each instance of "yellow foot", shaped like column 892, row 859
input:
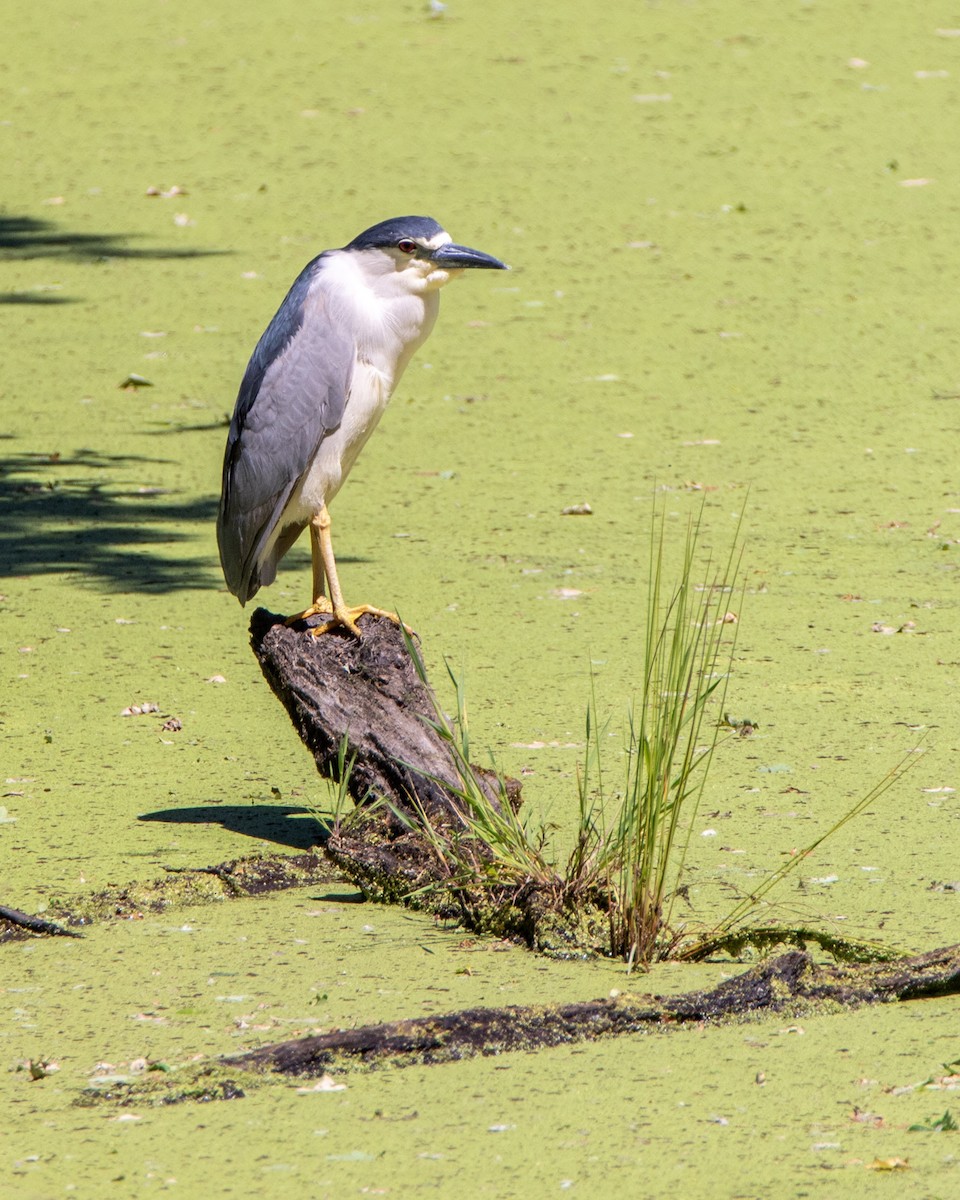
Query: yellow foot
column 346, row 618
column 319, row 608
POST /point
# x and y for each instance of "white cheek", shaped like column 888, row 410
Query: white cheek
column 440, row 276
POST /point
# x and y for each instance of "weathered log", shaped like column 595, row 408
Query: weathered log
column 792, row 982
column 366, row 690
column 362, row 702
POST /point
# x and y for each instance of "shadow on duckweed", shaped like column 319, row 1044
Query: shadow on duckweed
column 35, row 298
column 78, row 514
column 24, row 239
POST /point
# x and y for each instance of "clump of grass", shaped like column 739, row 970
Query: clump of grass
column 490, row 858
column 636, row 859
column 340, row 801
column 626, row 868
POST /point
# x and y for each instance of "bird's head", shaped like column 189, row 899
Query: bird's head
column 416, row 253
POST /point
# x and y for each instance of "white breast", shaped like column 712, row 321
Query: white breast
column 389, row 323
column 370, row 391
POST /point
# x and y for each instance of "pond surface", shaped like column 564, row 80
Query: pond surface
column 733, row 234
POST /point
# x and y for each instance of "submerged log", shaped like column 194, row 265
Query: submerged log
column 792, row 982
column 15, row 924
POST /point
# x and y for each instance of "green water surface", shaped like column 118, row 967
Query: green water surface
column 733, row 228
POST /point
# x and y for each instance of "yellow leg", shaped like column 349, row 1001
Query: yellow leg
column 320, row 605
column 331, row 603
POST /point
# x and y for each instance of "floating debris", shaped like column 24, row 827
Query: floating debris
column 134, row 382
column 326, row 1083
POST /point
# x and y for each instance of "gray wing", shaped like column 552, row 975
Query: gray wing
column 292, row 394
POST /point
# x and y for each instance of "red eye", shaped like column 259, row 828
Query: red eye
column 406, row 245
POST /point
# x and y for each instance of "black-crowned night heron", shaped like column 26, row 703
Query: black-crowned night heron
column 314, row 389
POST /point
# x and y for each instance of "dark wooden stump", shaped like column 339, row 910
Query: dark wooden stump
column 366, row 695
column 365, row 690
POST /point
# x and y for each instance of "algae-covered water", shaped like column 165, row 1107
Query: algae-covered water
column 733, row 233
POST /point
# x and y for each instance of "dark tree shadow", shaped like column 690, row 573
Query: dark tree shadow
column 285, row 824
column 25, row 238
column 88, row 514
column 85, row 514
column 29, row 237
column 36, row 298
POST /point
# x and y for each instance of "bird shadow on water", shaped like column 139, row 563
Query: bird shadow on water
column 89, row 515
column 286, row 824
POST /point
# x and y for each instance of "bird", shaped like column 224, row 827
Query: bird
column 317, row 383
